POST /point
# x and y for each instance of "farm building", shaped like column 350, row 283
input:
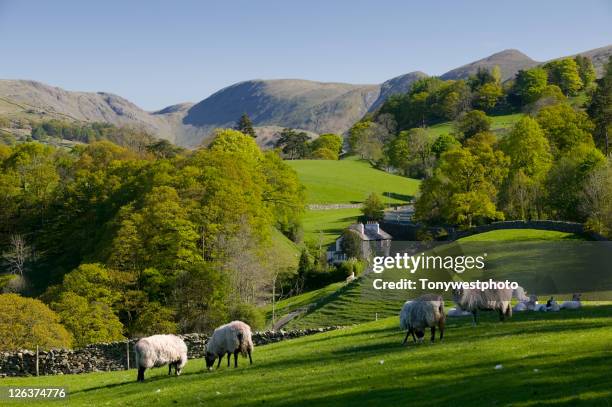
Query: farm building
column 374, row 241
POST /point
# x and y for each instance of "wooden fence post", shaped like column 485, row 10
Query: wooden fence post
column 36, row 360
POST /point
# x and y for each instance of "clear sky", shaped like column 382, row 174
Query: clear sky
column 157, row 53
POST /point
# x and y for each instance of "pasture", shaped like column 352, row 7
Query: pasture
column 350, row 180
column 561, row 358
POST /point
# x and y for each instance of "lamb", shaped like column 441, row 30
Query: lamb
column 573, row 304
column 427, row 311
column 160, row 350
column 519, row 307
column 473, row 300
column 234, row 337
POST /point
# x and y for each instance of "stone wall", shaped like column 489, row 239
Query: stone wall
column 114, row 356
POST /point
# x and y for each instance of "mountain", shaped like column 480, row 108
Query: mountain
column 399, row 84
column 599, row 56
column 510, row 61
column 315, row 107
column 43, row 101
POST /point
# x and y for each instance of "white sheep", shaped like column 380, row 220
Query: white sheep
column 540, row 308
column 427, row 311
column 574, row 304
column 458, row 312
column 235, row 338
column 519, row 307
column 160, row 350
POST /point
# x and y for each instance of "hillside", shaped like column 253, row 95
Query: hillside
column 316, row 107
column 560, row 358
column 19, row 98
column 399, row 84
column 358, row 302
column 350, row 181
column 510, row 62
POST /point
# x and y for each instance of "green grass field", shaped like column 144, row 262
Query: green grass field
column 324, row 226
column 499, row 124
column 513, row 254
column 350, row 180
column 546, row 359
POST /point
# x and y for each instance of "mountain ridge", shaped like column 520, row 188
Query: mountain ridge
column 317, row 107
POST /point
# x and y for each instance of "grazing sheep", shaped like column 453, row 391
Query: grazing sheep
column 573, row 304
column 552, row 306
column 520, row 294
column 473, row 300
column 235, row 338
column 159, row 350
column 540, row 308
column 457, row 312
column 427, row 311
column 532, row 304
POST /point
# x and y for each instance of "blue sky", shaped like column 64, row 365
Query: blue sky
column 157, row 53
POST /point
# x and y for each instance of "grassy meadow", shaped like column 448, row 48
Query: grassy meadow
column 541, row 358
column 358, row 302
column 350, row 180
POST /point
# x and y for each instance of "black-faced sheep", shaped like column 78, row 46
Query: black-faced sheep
column 160, row 350
column 473, row 300
column 235, row 338
column 427, row 311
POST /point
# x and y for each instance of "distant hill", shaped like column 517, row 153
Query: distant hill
column 399, row 84
column 510, row 61
column 35, row 99
column 316, row 107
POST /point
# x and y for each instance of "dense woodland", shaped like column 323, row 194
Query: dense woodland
column 122, row 242
column 551, row 164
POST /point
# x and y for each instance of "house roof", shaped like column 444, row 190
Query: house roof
column 369, row 233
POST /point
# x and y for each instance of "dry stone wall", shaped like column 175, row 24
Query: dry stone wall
column 104, row 357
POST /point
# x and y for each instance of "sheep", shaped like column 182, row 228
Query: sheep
column 573, row 304
column 552, row 306
column 520, row 294
column 457, row 312
column 523, row 301
column 540, row 308
column 532, row 304
column 234, row 337
column 159, row 350
column 473, row 300
column 427, row 311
